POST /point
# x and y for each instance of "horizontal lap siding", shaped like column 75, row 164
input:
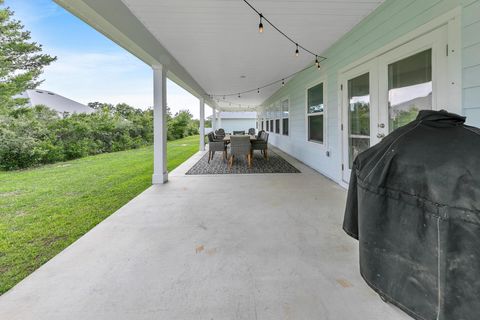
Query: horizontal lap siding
column 471, row 61
column 391, row 20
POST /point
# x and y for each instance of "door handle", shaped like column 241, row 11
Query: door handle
column 380, row 135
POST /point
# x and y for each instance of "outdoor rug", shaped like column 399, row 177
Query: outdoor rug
column 274, row 164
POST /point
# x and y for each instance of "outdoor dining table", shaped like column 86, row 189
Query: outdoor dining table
column 227, row 138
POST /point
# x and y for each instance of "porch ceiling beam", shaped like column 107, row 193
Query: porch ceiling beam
column 113, row 19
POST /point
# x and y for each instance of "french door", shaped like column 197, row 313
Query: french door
column 388, row 91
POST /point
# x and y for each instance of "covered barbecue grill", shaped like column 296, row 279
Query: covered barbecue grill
column 414, row 206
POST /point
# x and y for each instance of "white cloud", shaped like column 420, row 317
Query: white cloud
column 112, row 78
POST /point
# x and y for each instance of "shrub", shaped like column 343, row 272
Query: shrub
column 35, row 136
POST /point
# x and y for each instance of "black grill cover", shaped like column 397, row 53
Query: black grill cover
column 414, row 206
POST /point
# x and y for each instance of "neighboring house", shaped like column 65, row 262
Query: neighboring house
column 54, row 101
column 236, row 121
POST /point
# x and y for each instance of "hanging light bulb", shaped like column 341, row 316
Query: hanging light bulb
column 296, row 50
column 239, row 95
column 316, row 62
column 258, row 90
column 318, row 66
column 283, row 82
column 260, row 25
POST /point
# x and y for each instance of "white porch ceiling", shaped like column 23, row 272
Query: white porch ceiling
column 217, row 41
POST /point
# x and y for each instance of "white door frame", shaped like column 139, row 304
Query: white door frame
column 372, row 69
column 437, row 42
column 450, row 98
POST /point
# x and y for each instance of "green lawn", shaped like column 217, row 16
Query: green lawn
column 45, row 209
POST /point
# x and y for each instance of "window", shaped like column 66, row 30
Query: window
column 277, row 126
column 262, row 124
column 409, row 88
column 285, row 117
column 267, row 123
column 315, row 113
column 271, row 125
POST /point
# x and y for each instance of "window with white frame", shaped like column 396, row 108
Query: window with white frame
column 277, row 118
column 316, row 113
column 285, row 117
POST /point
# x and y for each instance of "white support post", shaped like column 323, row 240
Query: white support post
column 160, row 173
column 214, row 119
column 202, row 124
column 219, row 120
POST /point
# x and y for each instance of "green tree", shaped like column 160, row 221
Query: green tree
column 21, row 60
column 180, row 126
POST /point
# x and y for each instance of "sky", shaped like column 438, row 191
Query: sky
column 89, row 66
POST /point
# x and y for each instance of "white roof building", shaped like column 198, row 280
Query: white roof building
column 54, row 101
column 236, row 121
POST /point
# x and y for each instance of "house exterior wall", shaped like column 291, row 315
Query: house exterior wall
column 391, row 20
column 230, row 125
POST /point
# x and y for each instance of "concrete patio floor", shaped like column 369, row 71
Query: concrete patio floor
column 263, row 246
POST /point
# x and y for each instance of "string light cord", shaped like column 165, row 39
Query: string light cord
column 256, row 89
column 297, row 45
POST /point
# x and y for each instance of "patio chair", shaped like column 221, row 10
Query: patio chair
column 261, row 144
column 237, row 133
column 251, row 131
column 219, row 134
column 240, row 145
column 216, row 145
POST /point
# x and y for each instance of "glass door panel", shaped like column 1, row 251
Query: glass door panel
column 409, row 88
column 358, row 116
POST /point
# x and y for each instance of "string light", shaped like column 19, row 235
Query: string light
column 318, row 58
column 260, row 26
column 282, row 81
column 297, row 45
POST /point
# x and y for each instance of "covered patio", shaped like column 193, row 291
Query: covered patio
column 260, row 246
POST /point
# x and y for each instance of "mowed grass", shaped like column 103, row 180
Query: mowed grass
column 43, row 210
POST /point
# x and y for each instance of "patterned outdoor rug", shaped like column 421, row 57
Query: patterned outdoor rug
column 274, row 164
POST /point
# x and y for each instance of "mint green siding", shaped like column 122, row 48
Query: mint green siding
column 471, row 61
column 391, row 20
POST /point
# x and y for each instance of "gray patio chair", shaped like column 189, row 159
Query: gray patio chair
column 261, row 144
column 236, row 133
column 239, row 146
column 219, row 134
column 216, row 145
column 251, row 131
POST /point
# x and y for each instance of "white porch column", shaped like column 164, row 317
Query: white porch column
column 214, row 119
column 219, row 120
column 160, row 173
column 202, row 124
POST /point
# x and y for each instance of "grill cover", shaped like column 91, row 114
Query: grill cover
column 414, row 205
